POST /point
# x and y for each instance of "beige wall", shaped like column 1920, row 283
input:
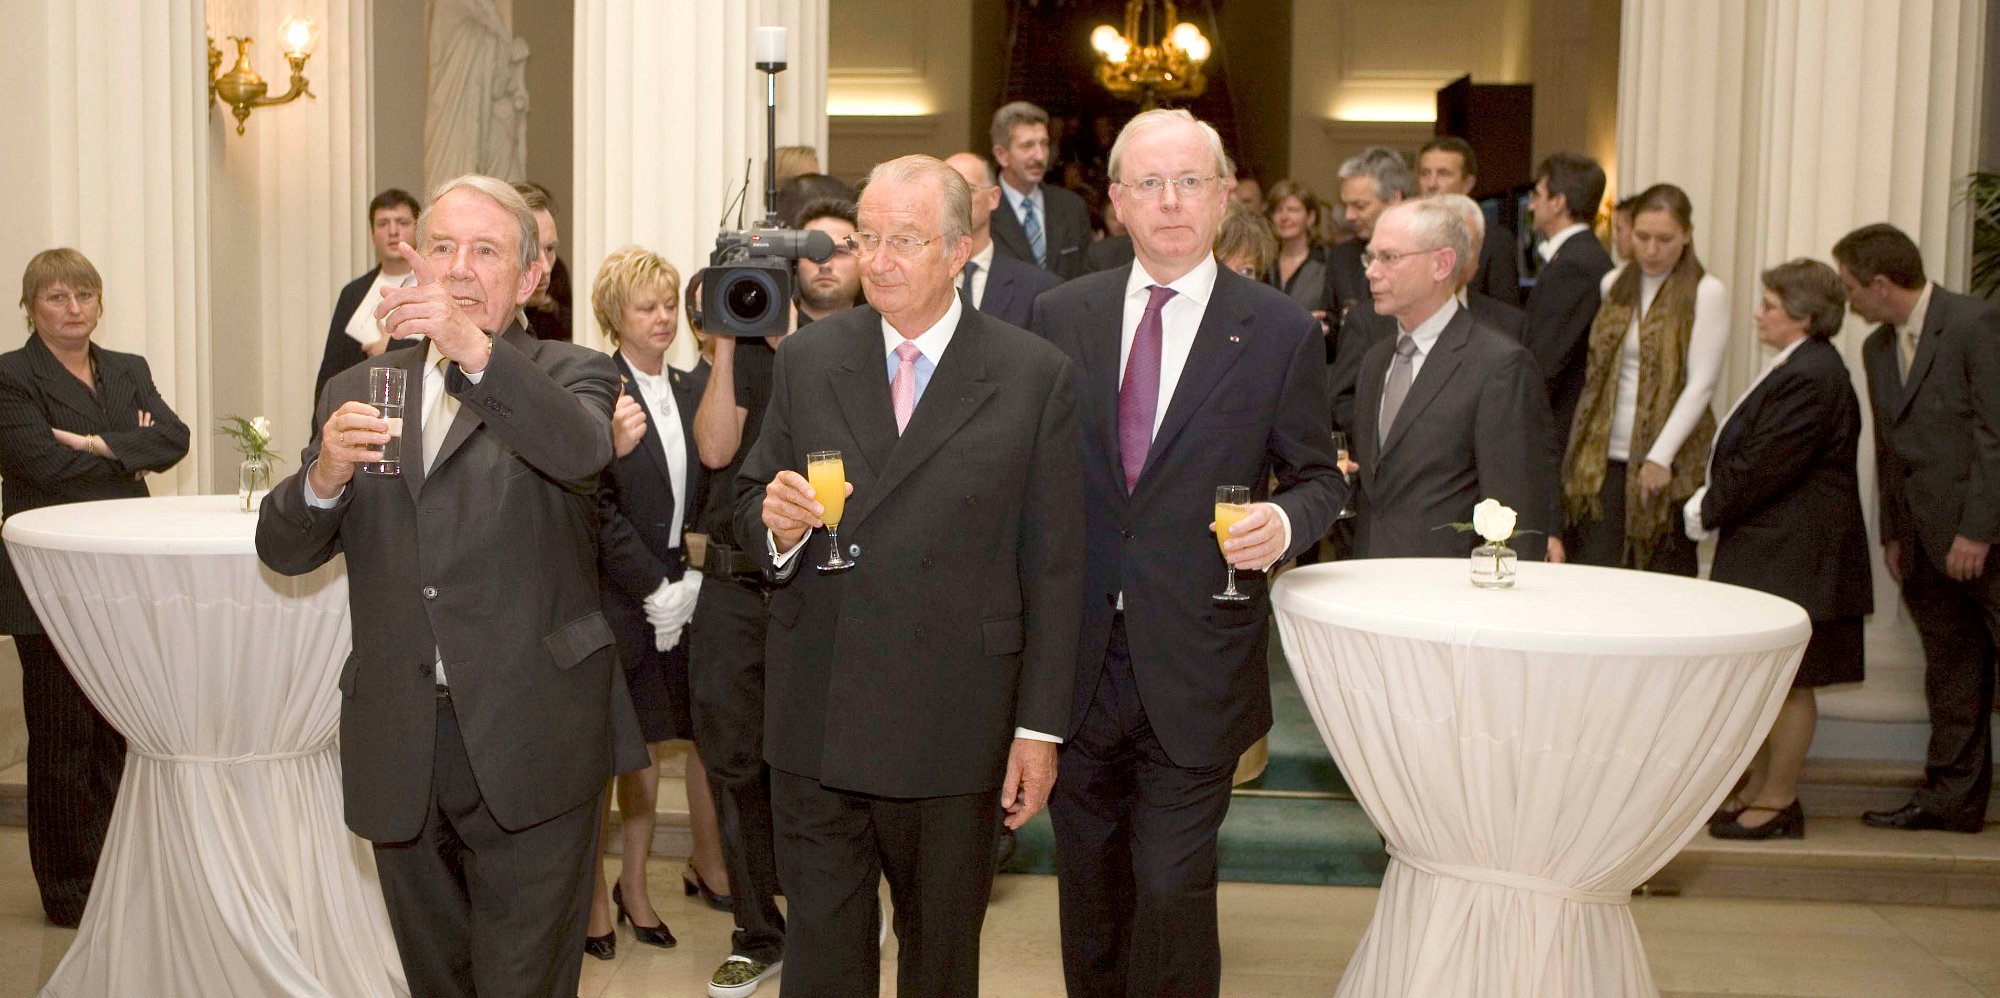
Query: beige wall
column 397, row 59
column 25, row 167
column 1576, row 81
column 549, row 28
column 898, row 83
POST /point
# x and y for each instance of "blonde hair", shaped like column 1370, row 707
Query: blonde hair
column 794, row 161
column 622, row 274
column 58, row 266
column 1245, row 230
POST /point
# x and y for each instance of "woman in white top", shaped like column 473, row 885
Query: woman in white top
column 1639, row 445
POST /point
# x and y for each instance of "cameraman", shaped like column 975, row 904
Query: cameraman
column 726, row 673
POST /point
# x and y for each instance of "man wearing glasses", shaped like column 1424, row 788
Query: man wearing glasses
column 917, row 694
column 1191, row 377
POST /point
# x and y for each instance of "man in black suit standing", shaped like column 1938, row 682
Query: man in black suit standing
column 915, row 695
column 1447, row 165
column 1370, row 181
column 1448, row 412
column 483, row 707
column 1933, row 368
column 354, row 335
column 1564, row 301
column 992, row 282
column 1192, row 377
column 1040, row 224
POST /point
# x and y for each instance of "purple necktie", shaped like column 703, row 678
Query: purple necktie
column 1139, row 396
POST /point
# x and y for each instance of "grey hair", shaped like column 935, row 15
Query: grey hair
column 1435, row 224
column 1474, row 218
column 1390, row 170
column 1015, row 115
column 955, row 203
column 1159, row 117
column 499, row 192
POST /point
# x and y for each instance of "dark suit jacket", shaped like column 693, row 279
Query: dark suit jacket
column 341, row 351
column 1499, row 274
column 1937, row 437
column 1474, row 426
column 906, row 675
column 1251, row 403
column 1560, row 310
column 1108, row 253
column 638, row 548
column 1783, row 491
column 490, row 560
column 1011, row 288
column 1065, row 232
column 1347, row 280
column 37, row 394
column 1361, row 330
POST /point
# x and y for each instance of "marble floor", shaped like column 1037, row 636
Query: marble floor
column 1281, row 941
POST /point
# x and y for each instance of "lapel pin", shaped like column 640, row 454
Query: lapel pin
column 1236, row 339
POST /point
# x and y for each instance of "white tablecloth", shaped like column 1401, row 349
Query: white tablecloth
column 1531, row 755
column 227, row 869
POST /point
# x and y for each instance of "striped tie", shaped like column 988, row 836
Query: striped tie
column 1036, row 241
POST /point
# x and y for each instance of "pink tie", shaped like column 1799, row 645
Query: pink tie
column 904, row 389
column 1139, row 396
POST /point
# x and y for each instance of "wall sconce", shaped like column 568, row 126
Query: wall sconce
column 1150, row 65
column 242, row 89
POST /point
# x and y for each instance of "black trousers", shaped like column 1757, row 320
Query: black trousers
column 75, row 761
column 481, row 910
column 1602, row 541
column 1959, row 623
column 834, row 848
column 1135, row 851
column 726, row 680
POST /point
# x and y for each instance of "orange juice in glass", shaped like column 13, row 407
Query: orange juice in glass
column 827, row 474
column 1232, row 504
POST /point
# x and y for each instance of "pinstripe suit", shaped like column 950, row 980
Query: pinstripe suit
column 75, row 758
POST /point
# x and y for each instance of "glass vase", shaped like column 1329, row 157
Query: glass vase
column 253, row 480
column 1493, row 566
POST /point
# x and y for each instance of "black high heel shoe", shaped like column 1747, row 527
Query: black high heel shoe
column 692, row 884
column 651, row 935
column 604, row 947
column 1727, row 812
column 1788, row 823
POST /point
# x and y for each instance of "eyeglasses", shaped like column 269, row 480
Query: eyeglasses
column 61, row 299
column 1389, row 258
column 864, row 244
column 1150, row 188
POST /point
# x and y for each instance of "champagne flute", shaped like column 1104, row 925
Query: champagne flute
column 1232, row 503
column 827, row 475
column 1347, row 510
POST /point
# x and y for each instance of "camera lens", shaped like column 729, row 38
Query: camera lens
column 747, row 299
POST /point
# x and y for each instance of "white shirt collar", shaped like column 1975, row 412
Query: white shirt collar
column 1427, row 332
column 1917, row 312
column 931, row 342
column 1196, row 285
column 1553, row 243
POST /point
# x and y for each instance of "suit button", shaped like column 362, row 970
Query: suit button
column 430, row 592
column 854, row 550
column 1127, row 534
column 921, row 634
column 927, row 563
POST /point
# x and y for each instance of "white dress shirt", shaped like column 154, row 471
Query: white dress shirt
column 1707, row 343
column 656, row 393
column 1910, row 331
column 362, row 326
column 1691, row 512
column 984, row 260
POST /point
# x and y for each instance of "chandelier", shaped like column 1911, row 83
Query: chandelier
column 1166, row 67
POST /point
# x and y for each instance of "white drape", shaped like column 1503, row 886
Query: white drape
column 1530, row 756
column 227, row 869
column 476, row 113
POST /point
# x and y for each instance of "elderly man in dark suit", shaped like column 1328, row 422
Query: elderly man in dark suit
column 1040, row 224
column 993, row 282
column 484, row 708
column 915, row 695
column 1451, row 410
column 1933, row 368
column 1192, row 377
column 1564, row 301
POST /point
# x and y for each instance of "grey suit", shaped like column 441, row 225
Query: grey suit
column 490, row 561
column 1065, row 233
column 1475, row 425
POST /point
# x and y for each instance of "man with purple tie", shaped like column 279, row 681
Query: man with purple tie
column 1191, row 377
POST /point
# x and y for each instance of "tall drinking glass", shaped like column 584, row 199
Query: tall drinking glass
column 1347, row 511
column 1232, row 503
column 385, row 393
column 827, row 474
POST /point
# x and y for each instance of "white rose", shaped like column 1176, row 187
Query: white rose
column 261, row 428
column 1493, row 521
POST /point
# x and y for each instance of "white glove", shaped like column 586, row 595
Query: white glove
column 670, row 607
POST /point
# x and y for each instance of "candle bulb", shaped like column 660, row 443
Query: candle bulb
column 769, row 47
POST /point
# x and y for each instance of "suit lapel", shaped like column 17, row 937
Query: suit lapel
column 467, row 421
column 60, row 386
column 1008, row 233
column 999, row 290
column 861, row 389
column 686, row 401
column 411, row 361
column 1098, row 346
column 1927, row 348
column 652, row 443
column 956, row 390
column 1365, row 440
column 1219, row 341
column 1438, row 368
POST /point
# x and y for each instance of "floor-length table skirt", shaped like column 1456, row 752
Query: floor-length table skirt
column 1531, row 756
column 227, row 869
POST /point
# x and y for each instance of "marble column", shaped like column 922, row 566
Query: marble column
column 1790, row 123
column 669, row 110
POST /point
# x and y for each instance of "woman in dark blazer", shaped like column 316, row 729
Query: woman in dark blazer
column 648, row 499
column 1784, row 497
column 77, row 423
